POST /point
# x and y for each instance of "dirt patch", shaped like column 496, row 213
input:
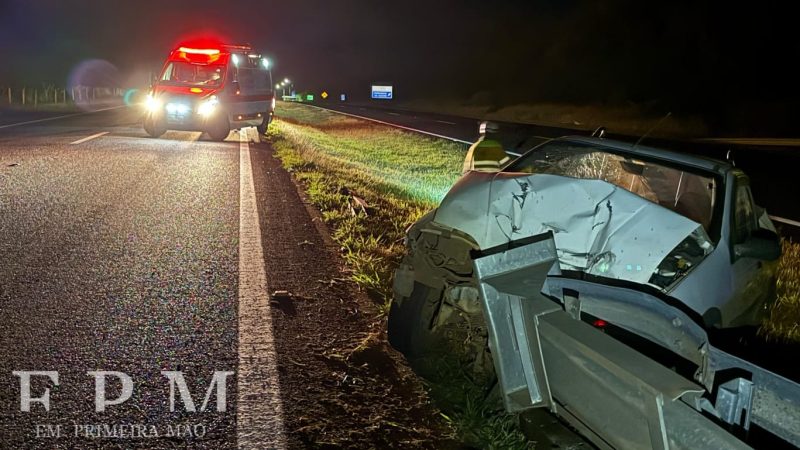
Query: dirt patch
column 341, row 384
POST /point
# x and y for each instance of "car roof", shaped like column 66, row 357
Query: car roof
column 669, row 156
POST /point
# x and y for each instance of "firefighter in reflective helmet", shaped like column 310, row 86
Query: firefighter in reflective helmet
column 487, row 154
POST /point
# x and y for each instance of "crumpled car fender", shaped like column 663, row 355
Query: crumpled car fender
column 599, row 228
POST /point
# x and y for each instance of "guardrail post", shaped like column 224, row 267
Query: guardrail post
column 23, row 95
column 9, row 96
column 35, row 97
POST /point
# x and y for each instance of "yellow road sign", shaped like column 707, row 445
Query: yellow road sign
column 324, row 94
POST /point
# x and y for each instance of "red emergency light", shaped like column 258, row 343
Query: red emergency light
column 196, row 55
column 199, row 51
column 205, row 52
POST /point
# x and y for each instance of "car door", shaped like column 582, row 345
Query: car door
column 750, row 281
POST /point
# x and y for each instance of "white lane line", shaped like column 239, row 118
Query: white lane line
column 259, row 411
column 786, row 221
column 393, row 114
column 396, row 125
column 445, row 122
column 47, row 119
column 89, row 138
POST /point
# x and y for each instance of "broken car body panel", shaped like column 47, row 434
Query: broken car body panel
column 599, row 228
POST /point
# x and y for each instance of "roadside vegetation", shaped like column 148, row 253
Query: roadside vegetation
column 784, row 321
column 371, row 182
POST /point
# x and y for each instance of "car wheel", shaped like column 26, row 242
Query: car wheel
column 219, row 129
column 265, row 121
column 458, row 339
column 410, row 321
column 153, row 128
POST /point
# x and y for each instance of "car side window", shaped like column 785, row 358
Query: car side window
column 744, row 219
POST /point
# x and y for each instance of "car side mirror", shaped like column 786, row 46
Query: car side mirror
column 763, row 244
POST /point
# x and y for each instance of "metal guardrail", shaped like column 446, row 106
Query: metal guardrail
column 793, row 223
column 546, row 356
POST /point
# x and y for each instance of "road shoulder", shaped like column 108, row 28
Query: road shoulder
column 341, row 383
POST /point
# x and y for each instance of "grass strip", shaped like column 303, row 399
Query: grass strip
column 370, row 182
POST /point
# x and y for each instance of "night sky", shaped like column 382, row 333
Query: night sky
column 726, row 61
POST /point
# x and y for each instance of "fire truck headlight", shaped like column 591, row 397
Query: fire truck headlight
column 152, row 104
column 208, row 107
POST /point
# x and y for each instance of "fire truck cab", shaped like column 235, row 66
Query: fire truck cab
column 211, row 88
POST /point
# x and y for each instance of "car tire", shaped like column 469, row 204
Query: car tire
column 409, row 332
column 219, row 129
column 153, row 128
column 262, row 128
column 409, row 322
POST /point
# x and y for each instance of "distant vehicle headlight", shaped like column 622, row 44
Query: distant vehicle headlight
column 208, row 107
column 151, row 103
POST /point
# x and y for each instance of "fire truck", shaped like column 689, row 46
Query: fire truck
column 211, row 88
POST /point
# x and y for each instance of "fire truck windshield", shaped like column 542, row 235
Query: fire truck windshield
column 184, row 73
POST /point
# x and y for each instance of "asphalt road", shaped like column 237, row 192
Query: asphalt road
column 118, row 253
column 770, row 163
column 124, row 253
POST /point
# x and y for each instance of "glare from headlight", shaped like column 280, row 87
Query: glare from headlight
column 152, row 104
column 207, row 107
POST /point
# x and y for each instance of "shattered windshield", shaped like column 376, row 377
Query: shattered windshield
column 686, row 193
column 193, row 74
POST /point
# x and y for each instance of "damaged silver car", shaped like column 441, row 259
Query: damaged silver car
column 682, row 228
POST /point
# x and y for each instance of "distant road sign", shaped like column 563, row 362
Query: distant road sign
column 382, row 92
column 310, row 97
column 343, row 97
column 324, row 94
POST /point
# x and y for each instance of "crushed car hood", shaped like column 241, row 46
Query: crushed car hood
column 599, row 228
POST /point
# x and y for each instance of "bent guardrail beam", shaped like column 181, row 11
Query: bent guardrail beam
column 545, row 356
